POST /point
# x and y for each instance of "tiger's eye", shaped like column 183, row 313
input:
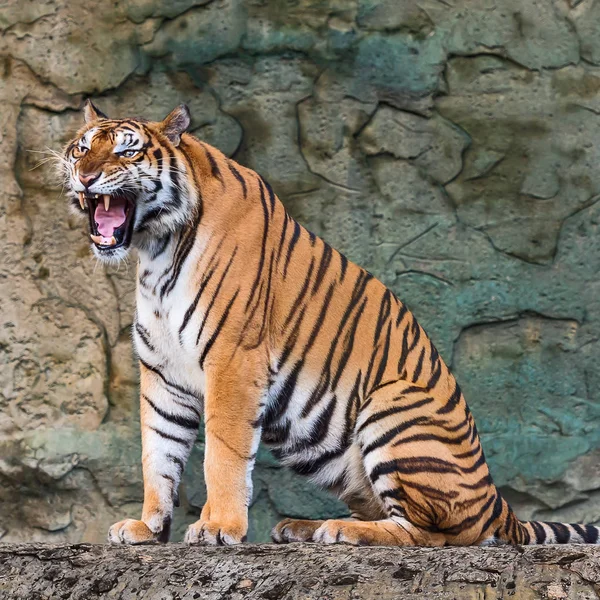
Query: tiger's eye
column 79, row 151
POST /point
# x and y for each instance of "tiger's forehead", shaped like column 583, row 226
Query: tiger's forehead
column 120, row 136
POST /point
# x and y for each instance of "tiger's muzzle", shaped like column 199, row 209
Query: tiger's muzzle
column 111, row 219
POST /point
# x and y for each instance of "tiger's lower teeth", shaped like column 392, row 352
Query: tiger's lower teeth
column 103, row 241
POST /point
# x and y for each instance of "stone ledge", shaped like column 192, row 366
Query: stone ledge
column 297, row 571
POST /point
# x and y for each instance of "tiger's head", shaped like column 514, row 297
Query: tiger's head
column 126, row 176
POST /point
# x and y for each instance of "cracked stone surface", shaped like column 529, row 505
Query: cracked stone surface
column 307, row 571
column 449, row 147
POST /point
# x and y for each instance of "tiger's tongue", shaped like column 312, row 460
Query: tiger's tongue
column 109, row 220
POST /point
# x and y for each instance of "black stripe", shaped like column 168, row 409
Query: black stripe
column 588, row 533
column 276, row 435
column 384, row 358
column 591, row 534
column 278, row 406
column 291, row 340
column 540, row 532
column 435, row 376
column 199, row 207
column 143, row 333
column 174, row 459
column 469, row 453
column 291, row 246
column 310, row 467
column 348, row 345
column 435, row 493
column 467, row 522
column 452, row 402
column 561, row 532
column 325, row 378
column 239, row 177
column 152, row 214
column 315, row 330
column 270, row 191
column 217, row 330
column 496, row 512
column 192, row 307
column 404, row 350
column 344, row 266
column 165, row 533
column 318, row 431
column 416, row 465
column 263, row 247
column 323, row 266
column 184, row 422
column 267, row 302
column 430, row 437
column 351, row 412
column 286, row 218
column 401, row 312
column 214, row 296
column 161, row 246
column 168, row 436
column 301, row 294
column 390, row 434
column 187, row 243
column 167, row 382
column 419, row 366
column 391, row 411
column 214, row 167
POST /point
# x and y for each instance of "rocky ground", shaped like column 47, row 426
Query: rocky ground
column 298, row 572
column 449, row 146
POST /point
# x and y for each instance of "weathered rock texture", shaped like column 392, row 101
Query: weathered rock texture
column 451, row 147
column 298, row 571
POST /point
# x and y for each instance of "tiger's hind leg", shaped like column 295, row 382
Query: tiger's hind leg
column 395, row 531
column 372, row 525
column 368, row 527
column 422, row 458
column 362, row 504
column 294, row 530
column 386, row 532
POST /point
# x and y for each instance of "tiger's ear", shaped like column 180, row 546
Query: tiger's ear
column 175, row 123
column 91, row 113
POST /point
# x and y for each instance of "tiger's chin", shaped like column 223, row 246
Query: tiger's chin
column 110, row 256
column 111, row 223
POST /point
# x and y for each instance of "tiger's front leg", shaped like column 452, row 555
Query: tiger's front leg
column 170, row 418
column 232, row 422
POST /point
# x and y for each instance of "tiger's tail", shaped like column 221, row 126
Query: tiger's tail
column 540, row 532
column 514, row 531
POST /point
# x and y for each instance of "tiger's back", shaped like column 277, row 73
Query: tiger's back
column 245, row 316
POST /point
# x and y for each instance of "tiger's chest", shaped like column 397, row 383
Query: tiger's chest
column 160, row 339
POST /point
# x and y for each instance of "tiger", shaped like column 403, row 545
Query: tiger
column 249, row 322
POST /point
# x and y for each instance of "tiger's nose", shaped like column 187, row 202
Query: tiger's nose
column 89, row 178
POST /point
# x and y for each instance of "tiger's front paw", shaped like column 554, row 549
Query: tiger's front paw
column 131, row 531
column 212, row 533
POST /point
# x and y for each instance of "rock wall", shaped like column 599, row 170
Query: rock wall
column 449, row 146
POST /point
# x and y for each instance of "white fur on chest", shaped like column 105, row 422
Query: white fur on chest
column 160, row 341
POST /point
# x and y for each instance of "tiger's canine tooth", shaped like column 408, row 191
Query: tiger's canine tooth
column 106, row 202
column 98, row 239
column 81, row 201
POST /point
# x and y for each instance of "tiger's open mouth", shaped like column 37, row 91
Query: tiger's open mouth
column 111, row 218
